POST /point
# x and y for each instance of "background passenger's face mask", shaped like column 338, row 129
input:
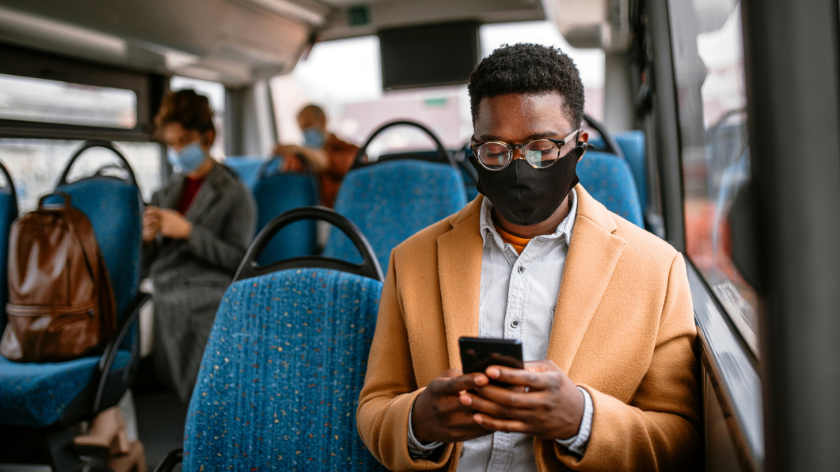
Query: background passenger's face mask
column 188, row 159
column 526, row 196
column 313, row 138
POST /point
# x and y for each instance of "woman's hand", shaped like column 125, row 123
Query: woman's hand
column 171, row 223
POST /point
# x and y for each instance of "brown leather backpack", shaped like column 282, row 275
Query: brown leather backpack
column 61, row 305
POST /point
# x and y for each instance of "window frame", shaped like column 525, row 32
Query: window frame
column 149, row 89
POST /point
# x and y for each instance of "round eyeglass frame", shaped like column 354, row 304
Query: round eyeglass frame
column 512, row 147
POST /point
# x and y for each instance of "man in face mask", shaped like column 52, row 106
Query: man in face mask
column 322, row 152
column 602, row 308
column 196, row 230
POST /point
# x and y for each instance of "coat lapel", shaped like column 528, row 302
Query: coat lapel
column 593, row 254
column 459, row 269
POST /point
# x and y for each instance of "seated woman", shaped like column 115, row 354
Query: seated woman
column 196, row 231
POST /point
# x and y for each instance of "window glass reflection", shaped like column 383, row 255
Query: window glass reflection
column 709, row 66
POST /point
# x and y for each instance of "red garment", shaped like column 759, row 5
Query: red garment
column 188, row 191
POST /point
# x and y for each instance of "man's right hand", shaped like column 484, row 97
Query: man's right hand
column 438, row 415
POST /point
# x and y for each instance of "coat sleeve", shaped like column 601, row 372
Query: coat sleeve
column 226, row 249
column 390, row 388
column 659, row 429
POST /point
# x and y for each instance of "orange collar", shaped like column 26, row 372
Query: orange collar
column 515, row 241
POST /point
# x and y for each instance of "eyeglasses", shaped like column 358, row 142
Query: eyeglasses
column 539, row 153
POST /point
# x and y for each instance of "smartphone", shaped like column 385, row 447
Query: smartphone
column 477, row 354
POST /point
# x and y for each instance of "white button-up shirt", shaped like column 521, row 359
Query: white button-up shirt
column 517, row 301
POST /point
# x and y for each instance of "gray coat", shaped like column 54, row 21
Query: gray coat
column 190, row 276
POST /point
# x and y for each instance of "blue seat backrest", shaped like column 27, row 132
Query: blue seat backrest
column 608, row 179
column 8, row 213
column 277, row 194
column 247, row 168
column 632, row 144
column 280, row 379
column 393, row 200
column 115, row 210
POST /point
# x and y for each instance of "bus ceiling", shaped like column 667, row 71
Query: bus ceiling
column 238, row 42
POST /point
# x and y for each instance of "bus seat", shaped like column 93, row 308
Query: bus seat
column 38, row 395
column 281, row 375
column 391, row 201
column 247, row 168
column 8, row 213
column 278, row 193
column 632, row 144
column 609, row 180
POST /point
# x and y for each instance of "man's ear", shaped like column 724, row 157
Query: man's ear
column 583, row 139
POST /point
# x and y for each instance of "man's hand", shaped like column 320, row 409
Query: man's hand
column 439, row 416
column 550, row 407
column 151, row 224
column 172, row 224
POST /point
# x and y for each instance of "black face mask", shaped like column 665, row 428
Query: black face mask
column 526, row 196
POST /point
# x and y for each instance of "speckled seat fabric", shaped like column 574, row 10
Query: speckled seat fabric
column 277, row 194
column 280, row 378
column 393, row 200
column 39, row 394
column 36, row 394
column 608, row 179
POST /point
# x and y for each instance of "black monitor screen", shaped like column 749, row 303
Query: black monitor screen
column 428, row 55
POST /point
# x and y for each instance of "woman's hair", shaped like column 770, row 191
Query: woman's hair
column 189, row 109
column 528, row 69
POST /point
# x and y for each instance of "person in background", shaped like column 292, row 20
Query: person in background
column 195, row 232
column 322, row 152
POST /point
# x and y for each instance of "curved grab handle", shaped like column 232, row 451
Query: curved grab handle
column 369, row 267
column 444, row 155
column 611, row 144
column 92, row 143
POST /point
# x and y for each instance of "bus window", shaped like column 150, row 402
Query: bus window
column 343, row 76
column 709, row 67
column 36, row 165
column 51, row 101
column 216, row 93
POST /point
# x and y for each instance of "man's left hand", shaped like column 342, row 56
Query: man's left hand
column 544, row 402
column 173, row 225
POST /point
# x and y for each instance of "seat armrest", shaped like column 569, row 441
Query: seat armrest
column 110, row 354
column 175, row 457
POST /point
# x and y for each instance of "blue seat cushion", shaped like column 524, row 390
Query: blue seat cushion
column 280, row 379
column 36, row 394
column 393, row 200
column 277, row 194
column 8, row 213
column 246, row 168
column 608, row 179
column 114, row 208
column 632, row 144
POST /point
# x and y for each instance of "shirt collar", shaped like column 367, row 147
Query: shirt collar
column 564, row 229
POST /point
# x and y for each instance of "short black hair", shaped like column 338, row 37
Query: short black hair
column 528, row 69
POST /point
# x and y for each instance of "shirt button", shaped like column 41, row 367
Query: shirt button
column 521, row 269
column 514, row 324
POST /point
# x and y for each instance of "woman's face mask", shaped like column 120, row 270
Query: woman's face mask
column 313, row 138
column 188, row 159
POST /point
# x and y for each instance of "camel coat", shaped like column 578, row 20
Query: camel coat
column 623, row 329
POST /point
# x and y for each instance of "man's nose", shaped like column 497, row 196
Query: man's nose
column 518, row 153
